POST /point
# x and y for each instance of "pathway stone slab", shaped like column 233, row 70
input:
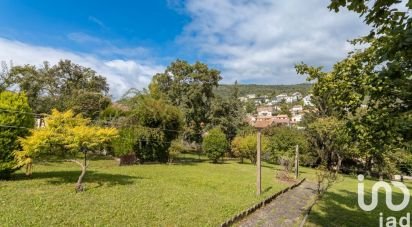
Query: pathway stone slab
column 286, row 210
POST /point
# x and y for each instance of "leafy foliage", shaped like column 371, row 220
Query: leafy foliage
column 124, row 143
column 65, row 134
column 215, row 144
column 176, row 148
column 63, row 86
column 189, row 87
column 14, row 123
column 227, row 113
column 244, row 146
column 225, row 90
column 330, row 138
column 371, row 88
column 282, row 144
column 151, row 126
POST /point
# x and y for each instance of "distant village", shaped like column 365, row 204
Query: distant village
column 272, row 112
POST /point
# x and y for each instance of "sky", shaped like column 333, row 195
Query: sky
column 129, row 41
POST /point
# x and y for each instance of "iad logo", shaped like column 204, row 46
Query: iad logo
column 391, row 221
column 388, row 190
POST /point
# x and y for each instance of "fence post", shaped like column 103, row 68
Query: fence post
column 297, row 162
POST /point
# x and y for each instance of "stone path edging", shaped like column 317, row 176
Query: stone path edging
column 252, row 209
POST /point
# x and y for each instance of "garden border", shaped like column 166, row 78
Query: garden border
column 262, row 203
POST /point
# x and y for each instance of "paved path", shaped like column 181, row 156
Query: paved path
column 286, row 210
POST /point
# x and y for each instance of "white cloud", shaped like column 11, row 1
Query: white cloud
column 98, row 22
column 260, row 41
column 83, row 38
column 105, row 47
column 121, row 74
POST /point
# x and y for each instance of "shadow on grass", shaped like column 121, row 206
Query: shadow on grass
column 340, row 208
column 63, row 177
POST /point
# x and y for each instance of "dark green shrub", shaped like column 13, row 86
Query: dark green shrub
column 215, row 144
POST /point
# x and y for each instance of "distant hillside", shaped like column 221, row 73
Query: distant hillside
column 224, row 90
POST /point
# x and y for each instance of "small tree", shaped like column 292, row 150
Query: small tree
column 66, row 135
column 331, row 139
column 14, row 123
column 283, row 141
column 155, row 124
column 245, row 146
column 176, row 148
column 123, row 146
column 215, row 144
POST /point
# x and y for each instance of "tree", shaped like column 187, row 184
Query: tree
column 66, row 135
column 371, row 88
column 4, row 76
column 124, row 144
column 191, row 88
column 244, row 146
column 215, row 144
column 15, row 120
column 227, row 113
column 284, row 109
column 331, row 139
column 282, row 144
column 176, row 148
column 63, row 86
column 154, row 124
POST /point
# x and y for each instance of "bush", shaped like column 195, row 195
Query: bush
column 176, row 148
column 151, row 127
column 12, row 106
column 246, row 146
column 123, row 145
column 215, row 144
column 282, row 146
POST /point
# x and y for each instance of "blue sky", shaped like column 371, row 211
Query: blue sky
column 129, row 41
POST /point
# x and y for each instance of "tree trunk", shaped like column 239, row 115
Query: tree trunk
column 339, row 163
column 368, row 166
column 79, row 185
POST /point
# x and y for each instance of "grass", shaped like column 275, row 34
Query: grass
column 191, row 193
column 339, row 206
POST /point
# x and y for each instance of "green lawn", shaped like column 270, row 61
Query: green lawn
column 186, row 194
column 339, row 206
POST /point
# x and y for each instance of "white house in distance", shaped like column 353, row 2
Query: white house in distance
column 264, row 110
column 251, row 96
column 288, row 98
column 243, row 99
column 307, row 100
column 281, row 97
column 296, row 109
column 296, row 96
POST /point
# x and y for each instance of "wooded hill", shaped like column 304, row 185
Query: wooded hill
column 224, row 90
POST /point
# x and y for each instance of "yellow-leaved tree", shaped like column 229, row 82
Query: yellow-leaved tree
column 65, row 135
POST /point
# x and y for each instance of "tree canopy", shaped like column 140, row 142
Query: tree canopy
column 190, row 87
column 63, row 86
column 215, row 144
column 151, row 126
column 371, row 88
column 64, row 135
column 15, row 120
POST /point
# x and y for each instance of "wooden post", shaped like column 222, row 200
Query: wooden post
column 297, row 162
column 259, row 177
